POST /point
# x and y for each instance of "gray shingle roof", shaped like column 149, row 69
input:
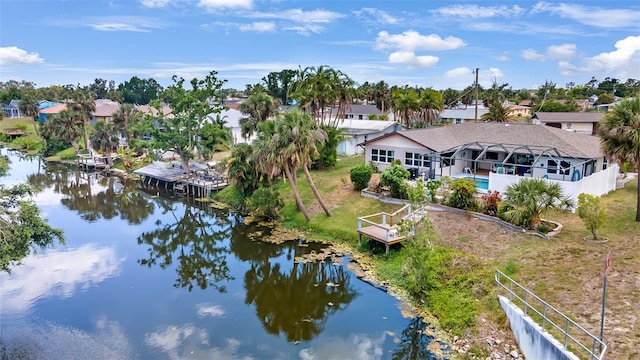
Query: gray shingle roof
column 574, row 117
column 510, row 135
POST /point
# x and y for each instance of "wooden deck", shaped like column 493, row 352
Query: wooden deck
column 383, row 227
column 199, row 183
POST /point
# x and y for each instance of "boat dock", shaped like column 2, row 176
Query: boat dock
column 200, row 183
column 385, row 227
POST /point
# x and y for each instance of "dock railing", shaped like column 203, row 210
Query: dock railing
column 574, row 337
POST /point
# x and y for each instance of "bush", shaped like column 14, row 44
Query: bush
column 21, row 126
column 432, row 187
column 265, row 203
column 490, row 202
column 27, row 142
column 591, row 213
column 360, row 176
column 463, row 194
column 395, row 177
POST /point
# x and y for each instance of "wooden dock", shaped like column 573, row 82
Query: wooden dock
column 91, row 162
column 384, row 227
column 199, row 183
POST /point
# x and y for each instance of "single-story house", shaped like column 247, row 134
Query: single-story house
column 364, row 112
column 462, row 115
column 357, row 131
column 582, row 122
column 519, row 110
column 46, row 113
column 499, row 154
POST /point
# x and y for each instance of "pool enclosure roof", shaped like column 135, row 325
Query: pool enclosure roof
column 503, row 137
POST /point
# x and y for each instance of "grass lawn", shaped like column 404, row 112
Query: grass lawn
column 566, row 271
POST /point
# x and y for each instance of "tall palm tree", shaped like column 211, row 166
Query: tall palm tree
column 83, row 106
column 431, row 102
column 104, row 137
column 121, row 118
column 619, row 134
column 498, row 113
column 382, row 96
column 526, row 201
column 405, row 103
column 259, row 106
column 303, row 145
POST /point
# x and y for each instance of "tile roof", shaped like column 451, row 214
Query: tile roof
column 56, row 109
column 574, row 117
column 105, row 109
column 510, row 135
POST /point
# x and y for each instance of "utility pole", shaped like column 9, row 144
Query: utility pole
column 476, row 95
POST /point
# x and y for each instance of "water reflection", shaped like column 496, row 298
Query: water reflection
column 56, row 273
column 199, row 246
column 297, row 302
column 94, row 196
column 414, row 342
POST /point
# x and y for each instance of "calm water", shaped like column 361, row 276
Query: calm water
column 146, row 277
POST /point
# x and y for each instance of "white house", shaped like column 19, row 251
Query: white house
column 583, row 122
column 499, row 154
column 232, row 118
column 357, row 131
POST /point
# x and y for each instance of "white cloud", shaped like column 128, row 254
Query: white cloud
column 410, row 59
column 475, row 11
column 58, row 273
column 592, row 15
column 259, row 26
column 299, row 16
column 461, row 77
column 210, row 310
column 411, row 40
column 154, row 3
column 122, row 23
column 376, row 15
column 11, row 55
column 354, row 347
column 216, row 4
column 532, row 55
column 564, row 51
column 502, row 58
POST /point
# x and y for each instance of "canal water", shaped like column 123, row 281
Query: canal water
column 149, row 277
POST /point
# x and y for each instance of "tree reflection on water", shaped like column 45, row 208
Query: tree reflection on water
column 198, row 245
column 298, row 302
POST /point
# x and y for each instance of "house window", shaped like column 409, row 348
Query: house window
column 552, row 167
column 490, row 155
column 416, row 160
column 383, row 156
column 565, row 165
column 359, row 117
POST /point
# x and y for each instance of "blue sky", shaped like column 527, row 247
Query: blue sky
column 434, row 44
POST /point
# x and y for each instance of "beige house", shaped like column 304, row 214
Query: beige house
column 581, row 122
column 498, row 154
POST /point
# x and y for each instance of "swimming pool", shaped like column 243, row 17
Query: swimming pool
column 482, row 182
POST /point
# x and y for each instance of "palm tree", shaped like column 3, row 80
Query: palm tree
column 122, row 117
column 29, row 106
column 405, row 104
column 259, row 106
column 65, row 125
column 619, row 134
column 104, row 137
column 304, row 145
column 84, row 107
column 526, row 201
column 431, row 102
column 498, row 113
column 382, row 96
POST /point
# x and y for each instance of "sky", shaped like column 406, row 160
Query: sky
column 436, row 44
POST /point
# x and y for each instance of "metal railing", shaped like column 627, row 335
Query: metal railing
column 552, row 320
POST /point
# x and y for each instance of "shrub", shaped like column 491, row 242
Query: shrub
column 360, row 176
column 591, row 213
column 27, row 142
column 265, row 203
column 395, row 177
column 432, row 187
column 490, row 202
column 463, row 194
column 21, row 126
